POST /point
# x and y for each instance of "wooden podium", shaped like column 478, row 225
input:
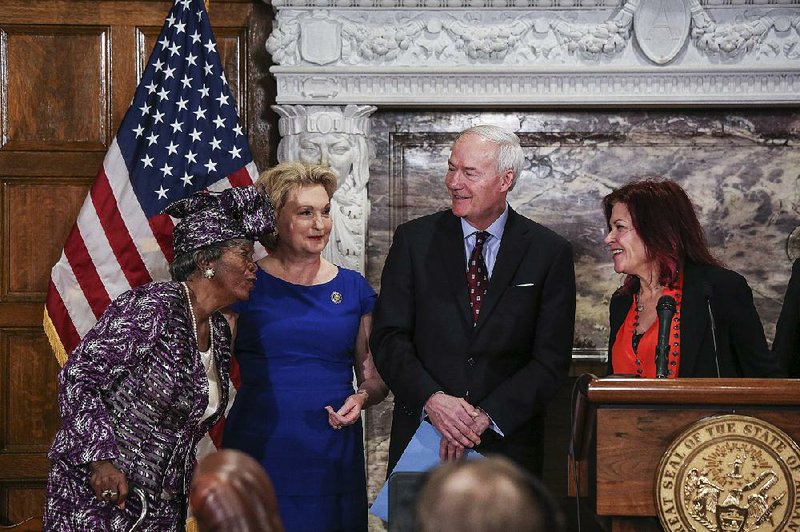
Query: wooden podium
column 623, row 426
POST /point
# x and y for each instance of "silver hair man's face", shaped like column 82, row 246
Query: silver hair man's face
column 329, row 149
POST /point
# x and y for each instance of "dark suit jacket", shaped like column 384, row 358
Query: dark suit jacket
column 742, row 347
column 787, row 333
column 510, row 364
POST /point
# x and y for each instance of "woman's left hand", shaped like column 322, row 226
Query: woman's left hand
column 108, row 482
column 348, row 413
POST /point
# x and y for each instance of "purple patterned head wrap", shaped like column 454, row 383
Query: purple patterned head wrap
column 208, row 218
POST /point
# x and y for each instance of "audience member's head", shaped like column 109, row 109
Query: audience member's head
column 485, row 495
column 230, row 492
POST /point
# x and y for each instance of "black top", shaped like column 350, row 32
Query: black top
column 786, row 346
column 742, row 347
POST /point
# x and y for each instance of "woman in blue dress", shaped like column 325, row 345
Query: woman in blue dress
column 298, row 340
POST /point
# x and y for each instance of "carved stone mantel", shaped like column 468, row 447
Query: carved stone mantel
column 515, row 53
column 531, row 53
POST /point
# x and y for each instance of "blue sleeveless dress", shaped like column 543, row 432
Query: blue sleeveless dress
column 296, row 346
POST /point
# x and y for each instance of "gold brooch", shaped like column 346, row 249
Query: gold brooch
column 336, row 297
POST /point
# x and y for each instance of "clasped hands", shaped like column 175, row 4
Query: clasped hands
column 109, row 483
column 460, row 423
column 348, row 413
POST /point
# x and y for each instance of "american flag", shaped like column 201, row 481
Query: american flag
column 180, row 135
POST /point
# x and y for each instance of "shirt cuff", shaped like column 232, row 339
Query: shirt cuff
column 492, row 424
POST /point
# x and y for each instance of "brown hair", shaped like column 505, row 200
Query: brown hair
column 665, row 220
column 231, row 492
column 282, row 178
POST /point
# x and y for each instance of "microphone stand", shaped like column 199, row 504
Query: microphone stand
column 665, row 309
column 707, row 293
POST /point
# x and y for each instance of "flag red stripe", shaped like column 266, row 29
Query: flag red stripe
column 85, row 272
column 61, row 320
column 162, row 226
column 216, row 432
column 117, row 233
column 240, row 178
column 236, row 377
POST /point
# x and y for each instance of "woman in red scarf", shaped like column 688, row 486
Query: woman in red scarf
column 656, row 240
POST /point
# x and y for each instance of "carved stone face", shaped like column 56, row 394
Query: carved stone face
column 329, row 149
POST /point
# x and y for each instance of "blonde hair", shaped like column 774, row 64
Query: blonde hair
column 509, row 155
column 282, row 178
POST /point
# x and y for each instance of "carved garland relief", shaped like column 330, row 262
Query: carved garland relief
column 661, row 30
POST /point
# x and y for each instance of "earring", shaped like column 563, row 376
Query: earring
column 208, row 273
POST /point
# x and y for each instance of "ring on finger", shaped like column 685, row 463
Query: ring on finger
column 109, row 494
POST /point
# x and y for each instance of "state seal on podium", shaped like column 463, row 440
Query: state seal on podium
column 729, row 473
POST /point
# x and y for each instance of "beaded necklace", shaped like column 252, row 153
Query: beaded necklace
column 194, row 322
column 676, row 319
column 637, row 336
column 639, row 308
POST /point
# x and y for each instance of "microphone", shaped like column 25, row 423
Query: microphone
column 707, row 292
column 665, row 309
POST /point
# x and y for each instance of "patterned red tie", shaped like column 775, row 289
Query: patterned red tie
column 477, row 279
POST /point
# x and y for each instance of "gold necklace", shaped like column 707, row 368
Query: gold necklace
column 639, row 308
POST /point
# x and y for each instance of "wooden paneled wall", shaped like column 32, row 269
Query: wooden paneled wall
column 68, row 69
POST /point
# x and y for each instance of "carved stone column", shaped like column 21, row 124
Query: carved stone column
column 337, row 137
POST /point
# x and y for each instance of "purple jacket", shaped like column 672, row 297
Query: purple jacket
column 133, row 392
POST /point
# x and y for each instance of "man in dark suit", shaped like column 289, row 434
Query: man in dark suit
column 480, row 360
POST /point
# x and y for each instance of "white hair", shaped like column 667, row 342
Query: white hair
column 509, row 152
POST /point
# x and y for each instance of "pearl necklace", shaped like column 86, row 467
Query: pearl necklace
column 194, row 322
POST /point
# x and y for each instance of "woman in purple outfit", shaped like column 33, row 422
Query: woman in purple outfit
column 150, row 378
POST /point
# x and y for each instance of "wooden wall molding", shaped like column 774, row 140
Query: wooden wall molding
column 68, row 71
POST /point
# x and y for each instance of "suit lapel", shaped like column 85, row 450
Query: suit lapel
column 618, row 310
column 449, row 242
column 513, row 247
column 693, row 328
column 620, row 304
